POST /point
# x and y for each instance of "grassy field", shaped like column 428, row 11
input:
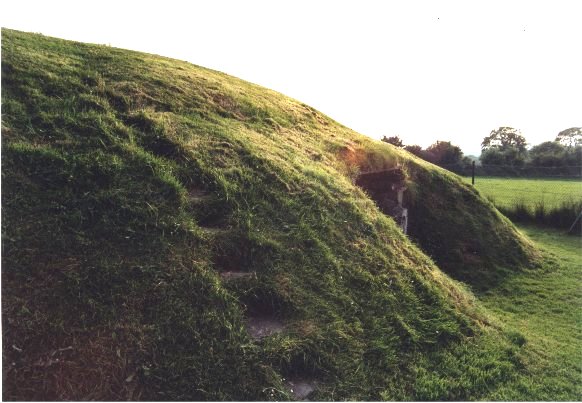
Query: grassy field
column 551, row 202
column 544, row 306
column 505, row 192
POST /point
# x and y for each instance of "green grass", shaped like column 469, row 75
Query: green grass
column 505, row 192
column 552, row 202
column 131, row 181
column 544, row 307
column 539, row 310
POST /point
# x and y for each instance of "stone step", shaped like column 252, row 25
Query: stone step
column 236, row 275
column 260, row 327
column 300, row 388
column 213, row 230
column 196, row 194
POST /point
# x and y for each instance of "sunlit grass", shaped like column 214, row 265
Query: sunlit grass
column 552, row 202
column 506, row 192
column 132, row 181
column 544, row 306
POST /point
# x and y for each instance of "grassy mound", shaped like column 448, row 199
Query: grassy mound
column 152, row 208
column 462, row 231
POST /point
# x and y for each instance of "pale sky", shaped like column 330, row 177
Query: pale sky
column 423, row 70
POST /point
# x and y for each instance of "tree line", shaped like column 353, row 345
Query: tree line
column 504, row 152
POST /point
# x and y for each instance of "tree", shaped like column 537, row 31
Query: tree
column 510, row 157
column 547, row 154
column 504, row 138
column 414, row 149
column 574, row 156
column 492, row 156
column 504, row 146
column 394, row 140
column 419, row 152
column 444, row 153
column 565, row 160
column 571, row 137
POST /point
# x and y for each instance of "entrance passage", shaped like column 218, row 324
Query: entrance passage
column 387, row 188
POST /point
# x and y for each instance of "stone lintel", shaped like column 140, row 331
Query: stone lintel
column 382, row 180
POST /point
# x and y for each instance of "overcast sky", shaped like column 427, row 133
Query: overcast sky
column 423, row 70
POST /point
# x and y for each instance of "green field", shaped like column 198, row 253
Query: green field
column 505, row 192
column 542, row 305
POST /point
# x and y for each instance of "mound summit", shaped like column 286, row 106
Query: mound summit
column 173, row 233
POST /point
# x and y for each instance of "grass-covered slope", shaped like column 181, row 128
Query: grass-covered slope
column 462, row 231
column 130, row 182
